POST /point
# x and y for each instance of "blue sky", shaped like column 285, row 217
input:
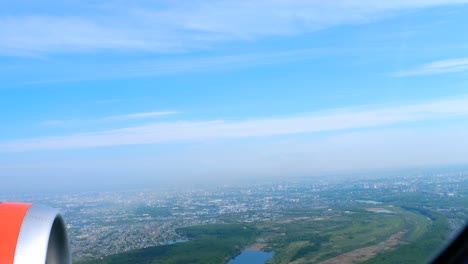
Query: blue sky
column 111, row 93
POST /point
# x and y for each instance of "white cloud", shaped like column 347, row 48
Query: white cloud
column 164, row 132
column 213, row 63
column 159, row 67
column 181, row 25
column 142, row 115
column 437, row 67
column 106, row 101
column 139, row 115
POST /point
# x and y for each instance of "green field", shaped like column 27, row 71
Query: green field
column 317, row 239
column 424, row 239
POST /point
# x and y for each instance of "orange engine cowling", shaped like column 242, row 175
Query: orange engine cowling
column 31, row 234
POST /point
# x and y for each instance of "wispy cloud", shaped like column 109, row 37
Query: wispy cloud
column 139, row 115
column 437, row 67
column 142, row 115
column 168, row 26
column 106, row 101
column 161, row 67
column 163, row 132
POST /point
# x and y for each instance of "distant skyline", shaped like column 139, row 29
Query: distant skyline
column 167, row 92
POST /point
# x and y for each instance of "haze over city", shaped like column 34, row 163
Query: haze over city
column 97, row 94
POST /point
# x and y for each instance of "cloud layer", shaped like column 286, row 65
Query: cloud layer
column 168, row 26
column 437, row 67
column 142, row 115
column 163, row 132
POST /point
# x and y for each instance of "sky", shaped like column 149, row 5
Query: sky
column 124, row 94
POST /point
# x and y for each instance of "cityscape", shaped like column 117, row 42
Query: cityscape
column 107, row 223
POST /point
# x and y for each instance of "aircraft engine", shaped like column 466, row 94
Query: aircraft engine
column 31, row 234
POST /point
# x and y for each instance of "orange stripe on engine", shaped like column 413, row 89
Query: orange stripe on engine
column 11, row 218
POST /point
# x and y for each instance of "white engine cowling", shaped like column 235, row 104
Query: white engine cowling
column 31, row 234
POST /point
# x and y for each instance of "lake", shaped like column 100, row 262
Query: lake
column 252, row 257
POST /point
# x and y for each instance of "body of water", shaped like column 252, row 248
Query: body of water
column 252, row 257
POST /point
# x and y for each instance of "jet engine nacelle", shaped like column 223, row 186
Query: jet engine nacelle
column 31, row 234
